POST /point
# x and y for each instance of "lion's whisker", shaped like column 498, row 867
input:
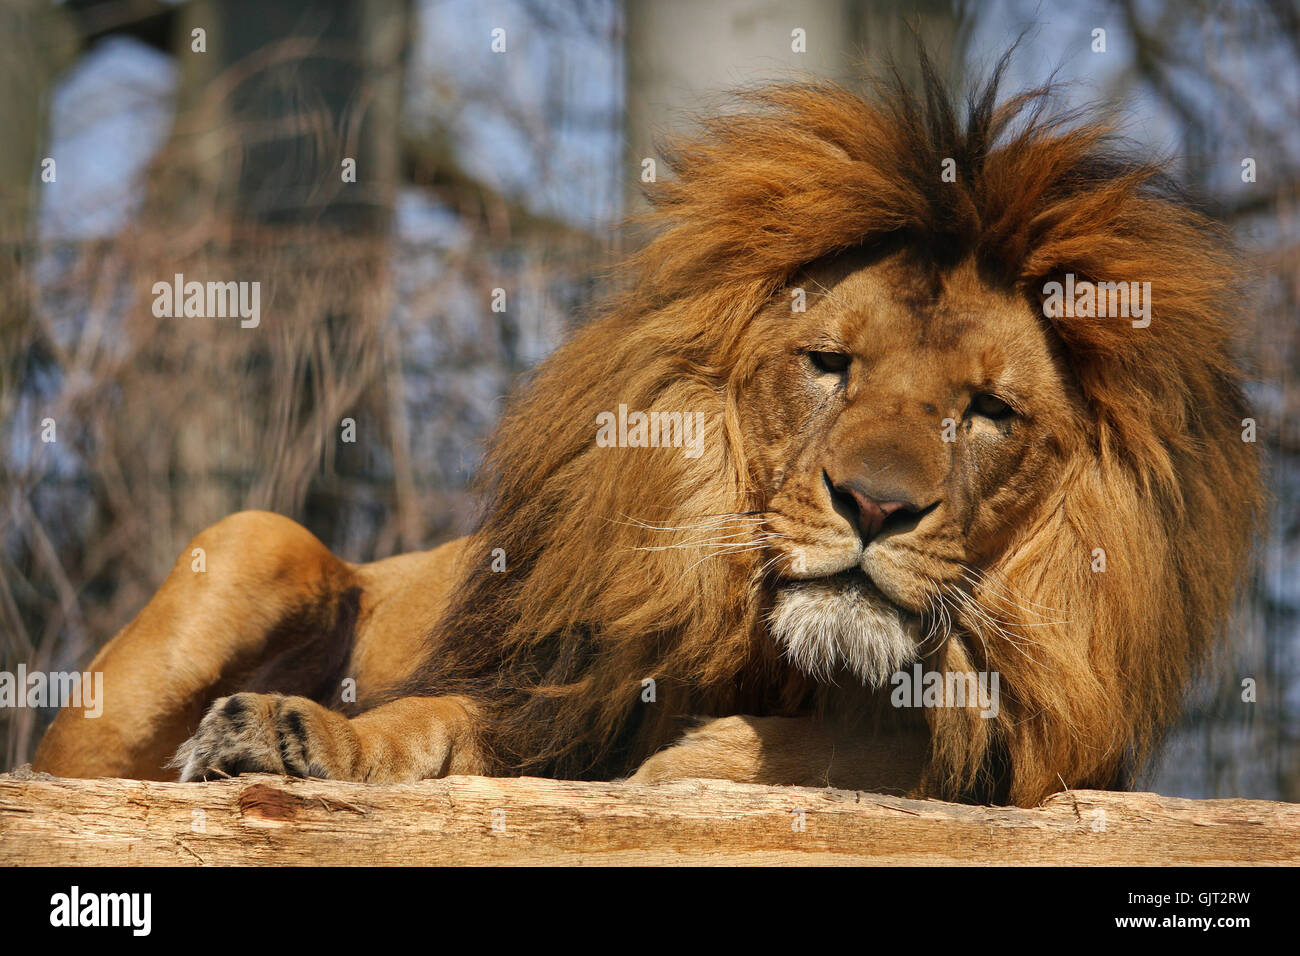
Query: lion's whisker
column 761, row 540
column 989, row 615
column 1007, row 605
column 934, row 617
column 974, row 608
column 736, row 550
column 960, row 604
column 991, row 579
column 737, row 521
column 702, row 542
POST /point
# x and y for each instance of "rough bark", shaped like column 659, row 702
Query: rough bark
column 477, row 820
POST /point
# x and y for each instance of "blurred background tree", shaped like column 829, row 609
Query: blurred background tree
column 489, row 161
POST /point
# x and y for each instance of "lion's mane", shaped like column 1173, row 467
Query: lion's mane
column 592, row 605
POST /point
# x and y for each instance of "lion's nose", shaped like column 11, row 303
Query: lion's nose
column 868, row 513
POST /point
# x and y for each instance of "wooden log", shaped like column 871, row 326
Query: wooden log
column 262, row 819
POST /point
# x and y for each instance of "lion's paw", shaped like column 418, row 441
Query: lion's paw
column 727, row 748
column 259, row 733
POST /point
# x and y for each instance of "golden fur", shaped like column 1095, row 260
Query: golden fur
column 617, row 568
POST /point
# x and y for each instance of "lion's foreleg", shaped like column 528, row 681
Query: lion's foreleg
column 211, row 619
column 408, row 739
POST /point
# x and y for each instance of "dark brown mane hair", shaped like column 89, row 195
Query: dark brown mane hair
column 557, row 647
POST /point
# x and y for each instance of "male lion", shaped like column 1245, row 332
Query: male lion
column 907, row 464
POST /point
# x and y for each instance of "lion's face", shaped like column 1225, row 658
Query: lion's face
column 905, row 426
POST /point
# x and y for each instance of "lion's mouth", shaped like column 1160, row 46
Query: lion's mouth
column 852, row 578
column 857, row 581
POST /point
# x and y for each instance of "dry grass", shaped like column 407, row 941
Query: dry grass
column 165, row 425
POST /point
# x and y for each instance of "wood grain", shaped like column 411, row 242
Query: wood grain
column 264, row 819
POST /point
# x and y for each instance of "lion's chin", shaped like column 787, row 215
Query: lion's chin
column 843, row 623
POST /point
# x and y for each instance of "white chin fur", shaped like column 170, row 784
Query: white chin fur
column 835, row 623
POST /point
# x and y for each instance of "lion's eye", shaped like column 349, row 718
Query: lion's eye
column 829, row 363
column 991, row 407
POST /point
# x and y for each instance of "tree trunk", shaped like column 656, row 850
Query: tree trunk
column 681, row 58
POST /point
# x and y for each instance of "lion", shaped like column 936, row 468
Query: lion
column 882, row 450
